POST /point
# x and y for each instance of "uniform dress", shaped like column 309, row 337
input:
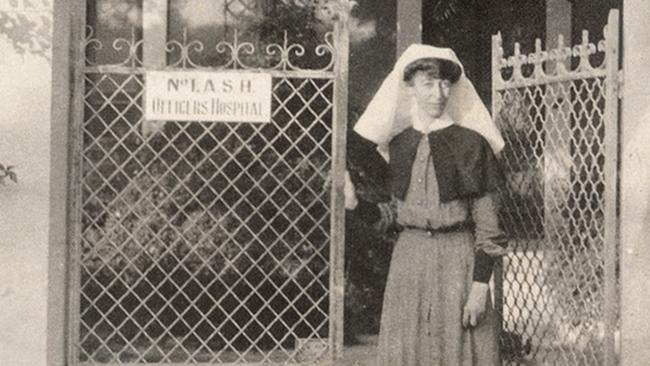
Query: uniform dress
column 431, row 272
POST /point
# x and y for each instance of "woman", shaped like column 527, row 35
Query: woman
column 429, row 123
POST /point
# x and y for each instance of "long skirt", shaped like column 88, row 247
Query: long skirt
column 428, row 283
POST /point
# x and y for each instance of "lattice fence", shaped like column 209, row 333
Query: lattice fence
column 558, row 286
column 202, row 242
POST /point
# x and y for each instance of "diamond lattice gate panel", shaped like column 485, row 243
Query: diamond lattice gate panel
column 557, row 289
column 206, row 242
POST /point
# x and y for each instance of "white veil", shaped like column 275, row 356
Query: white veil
column 388, row 113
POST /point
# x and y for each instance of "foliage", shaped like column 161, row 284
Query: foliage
column 27, row 34
column 367, row 251
column 299, row 20
column 7, row 172
column 366, row 268
column 444, row 9
column 514, row 347
column 301, row 24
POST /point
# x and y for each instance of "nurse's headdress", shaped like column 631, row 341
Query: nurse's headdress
column 388, row 113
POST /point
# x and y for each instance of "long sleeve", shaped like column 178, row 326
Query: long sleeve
column 491, row 242
column 381, row 215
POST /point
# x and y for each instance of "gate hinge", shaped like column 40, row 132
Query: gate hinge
column 619, row 84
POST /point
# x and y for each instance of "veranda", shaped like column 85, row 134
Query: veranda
column 181, row 242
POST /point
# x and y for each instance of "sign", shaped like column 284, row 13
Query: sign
column 208, row 96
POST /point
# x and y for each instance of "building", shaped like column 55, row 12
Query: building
column 35, row 226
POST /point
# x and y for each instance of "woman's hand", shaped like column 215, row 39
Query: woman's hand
column 475, row 306
column 351, row 200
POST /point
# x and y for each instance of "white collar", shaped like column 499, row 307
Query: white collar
column 437, row 124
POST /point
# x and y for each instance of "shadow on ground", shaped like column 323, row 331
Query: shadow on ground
column 360, row 354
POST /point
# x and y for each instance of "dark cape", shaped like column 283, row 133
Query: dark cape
column 464, row 163
column 465, row 168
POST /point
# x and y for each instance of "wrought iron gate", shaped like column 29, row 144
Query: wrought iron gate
column 215, row 243
column 558, row 111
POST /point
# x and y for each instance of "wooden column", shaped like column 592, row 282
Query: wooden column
column 558, row 29
column 558, row 21
column 558, row 121
column 409, row 24
column 557, row 158
column 154, row 53
column 154, row 33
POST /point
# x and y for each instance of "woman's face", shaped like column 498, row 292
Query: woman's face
column 431, row 94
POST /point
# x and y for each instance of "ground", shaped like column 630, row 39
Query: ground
column 361, row 354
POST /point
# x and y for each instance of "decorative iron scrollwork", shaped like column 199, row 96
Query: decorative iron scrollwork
column 132, row 46
column 236, row 54
column 184, row 47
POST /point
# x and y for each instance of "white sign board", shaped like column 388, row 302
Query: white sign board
column 207, row 96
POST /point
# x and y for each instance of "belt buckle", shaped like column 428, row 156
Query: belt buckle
column 431, row 231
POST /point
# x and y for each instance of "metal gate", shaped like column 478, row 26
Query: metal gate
column 558, row 110
column 208, row 242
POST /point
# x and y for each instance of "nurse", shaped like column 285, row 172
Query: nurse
column 440, row 143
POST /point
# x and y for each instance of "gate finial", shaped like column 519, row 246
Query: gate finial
column 555, row 63
column 498, row 47
column 516, row 61
column 537, row 59
column 583, row 51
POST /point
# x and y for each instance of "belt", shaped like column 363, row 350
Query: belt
column 460, row 226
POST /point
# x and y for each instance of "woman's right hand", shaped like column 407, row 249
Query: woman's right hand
column 351, row 200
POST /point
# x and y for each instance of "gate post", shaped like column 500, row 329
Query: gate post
column 497, row 276
column 339, row 141
column 62, row 62
column 611, row 185
column 635, row 186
